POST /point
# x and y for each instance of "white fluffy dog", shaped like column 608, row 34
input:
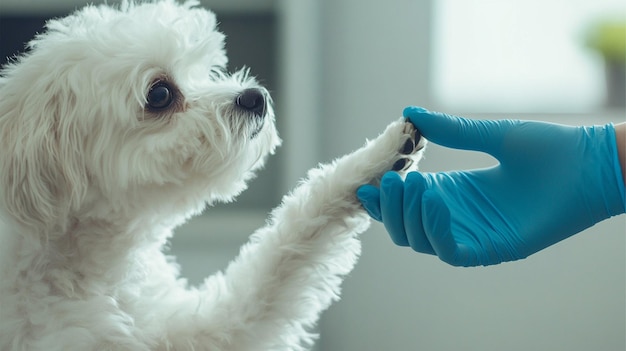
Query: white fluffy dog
column 116, row 127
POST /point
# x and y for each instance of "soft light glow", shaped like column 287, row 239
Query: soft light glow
column 518, row 55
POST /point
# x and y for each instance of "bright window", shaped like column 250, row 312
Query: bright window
column 518, row 55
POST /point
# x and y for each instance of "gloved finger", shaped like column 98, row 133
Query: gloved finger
column 436, row 218
column 414, row 187
column 391, row 203
column 369, row 196
column 458, row 132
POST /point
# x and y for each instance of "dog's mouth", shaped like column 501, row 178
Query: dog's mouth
column 257, row 128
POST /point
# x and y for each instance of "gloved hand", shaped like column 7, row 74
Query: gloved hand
column 552, row 181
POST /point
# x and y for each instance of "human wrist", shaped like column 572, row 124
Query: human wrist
column 616, row 139
column 620, row 141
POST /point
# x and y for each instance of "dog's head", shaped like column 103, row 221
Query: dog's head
column 128, row 106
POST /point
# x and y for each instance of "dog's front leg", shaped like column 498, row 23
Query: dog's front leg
column 291, row 270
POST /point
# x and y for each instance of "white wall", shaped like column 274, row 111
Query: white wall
column 374, row 62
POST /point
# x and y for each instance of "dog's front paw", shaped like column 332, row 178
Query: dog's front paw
column 412, row 145
column 399, row 148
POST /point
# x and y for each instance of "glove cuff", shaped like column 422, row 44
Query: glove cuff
column 616, row 166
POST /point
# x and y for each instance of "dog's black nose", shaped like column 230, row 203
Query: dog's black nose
column 252, row 100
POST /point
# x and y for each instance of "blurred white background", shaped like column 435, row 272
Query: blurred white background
column 519, row 55
column 340, row 70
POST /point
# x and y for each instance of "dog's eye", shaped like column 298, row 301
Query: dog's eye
column 160, row 96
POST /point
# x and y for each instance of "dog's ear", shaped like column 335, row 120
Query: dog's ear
column 42, row 173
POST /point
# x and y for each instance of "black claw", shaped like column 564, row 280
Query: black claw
column 418, row 136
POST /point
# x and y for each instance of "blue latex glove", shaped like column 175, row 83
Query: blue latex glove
column 552, row 181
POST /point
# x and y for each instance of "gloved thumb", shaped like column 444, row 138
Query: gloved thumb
column 457, row 132
column 369, row 196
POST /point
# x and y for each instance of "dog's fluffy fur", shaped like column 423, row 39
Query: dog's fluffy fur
column 95, row 172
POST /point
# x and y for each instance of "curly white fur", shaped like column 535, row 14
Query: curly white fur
column 92, row 182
